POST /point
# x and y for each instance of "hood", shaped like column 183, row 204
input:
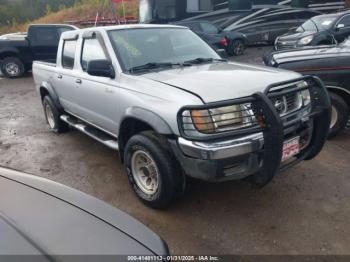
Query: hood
column 222, row 81
column 309, row 53
column 295, row 36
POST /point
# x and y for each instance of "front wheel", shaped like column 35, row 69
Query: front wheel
column 340, row 115
column 237, row 47
column 12, row 67
column 152, row 171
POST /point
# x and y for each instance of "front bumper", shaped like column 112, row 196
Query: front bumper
column 258, row 155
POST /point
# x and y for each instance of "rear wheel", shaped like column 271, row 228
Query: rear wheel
column 152, row 171
column 52, row 115
column 237, row 47
column 12, row 67
column 340, row 114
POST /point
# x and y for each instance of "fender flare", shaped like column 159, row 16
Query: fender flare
column 50, row 90
column 9, row 50
column 148, row 117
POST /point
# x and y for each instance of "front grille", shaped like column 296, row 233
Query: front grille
column 288, row 103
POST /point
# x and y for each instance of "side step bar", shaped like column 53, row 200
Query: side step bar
column 91, row 131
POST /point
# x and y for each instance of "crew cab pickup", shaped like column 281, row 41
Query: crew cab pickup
column 18, row 51
column 173, row 108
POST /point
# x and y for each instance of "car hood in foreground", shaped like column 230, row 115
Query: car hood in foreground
column 42, row 217
column 309, row 53
column 222, row 81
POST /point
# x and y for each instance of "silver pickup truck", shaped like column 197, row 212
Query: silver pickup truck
column 174, row 108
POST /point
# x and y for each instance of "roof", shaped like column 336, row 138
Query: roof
column 75, row 33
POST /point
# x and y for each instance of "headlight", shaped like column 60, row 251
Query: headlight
column 305, row 94
column 306, row 40
column 222, row 119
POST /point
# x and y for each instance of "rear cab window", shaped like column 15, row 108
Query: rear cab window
column 68, row 53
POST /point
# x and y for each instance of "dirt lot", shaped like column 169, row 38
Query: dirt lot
column 303, row 211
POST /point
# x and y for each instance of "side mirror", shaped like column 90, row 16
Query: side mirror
column 339, row 26
column 103, row 68
column 222, row 53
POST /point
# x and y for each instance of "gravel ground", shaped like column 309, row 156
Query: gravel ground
column 305, row 210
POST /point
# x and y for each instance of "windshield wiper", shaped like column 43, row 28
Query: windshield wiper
column 154, row 65
column 201, row 60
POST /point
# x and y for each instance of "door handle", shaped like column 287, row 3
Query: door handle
column 78, row 81
column 59, row 76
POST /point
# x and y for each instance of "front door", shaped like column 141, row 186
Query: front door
column 44, row 43
column 98, row 96
column 342, row 30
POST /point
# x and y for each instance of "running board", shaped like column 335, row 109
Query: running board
column 91, row 131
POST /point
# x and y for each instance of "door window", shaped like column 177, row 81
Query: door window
column 92, row 50
column 68, row 55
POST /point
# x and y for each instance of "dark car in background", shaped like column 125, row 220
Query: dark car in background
column 19, row 50
column 233, row 42
column 332, row 65
column 319, row 30
column 261, row 24
column 47, row 220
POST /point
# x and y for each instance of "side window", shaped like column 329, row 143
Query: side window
column 209, row 28
column 92, row 50
column 345, row 21
column 68, row 55
column 199, row 6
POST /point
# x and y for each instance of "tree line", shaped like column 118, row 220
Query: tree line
column 14, row 12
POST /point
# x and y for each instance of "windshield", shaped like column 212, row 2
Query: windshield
column 317, row 24
column 138, row 47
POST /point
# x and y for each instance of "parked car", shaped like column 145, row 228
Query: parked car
column 319, row 30
column 46, row 220
column 262, row 23
column 331, row 64
column 172, row 107
column 18, row 51
column 233, row 42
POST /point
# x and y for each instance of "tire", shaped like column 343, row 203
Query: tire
column 340, row 114
column 52, row 115
column 168, row 180
column 237, row 47
column 12, row 67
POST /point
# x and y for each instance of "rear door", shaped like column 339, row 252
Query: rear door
column 64, row 79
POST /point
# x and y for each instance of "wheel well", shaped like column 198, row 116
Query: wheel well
column 341, row 93
column 8, row 54
column 130, row 127
column 43, row 92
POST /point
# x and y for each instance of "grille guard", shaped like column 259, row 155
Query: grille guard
column 273, row 131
